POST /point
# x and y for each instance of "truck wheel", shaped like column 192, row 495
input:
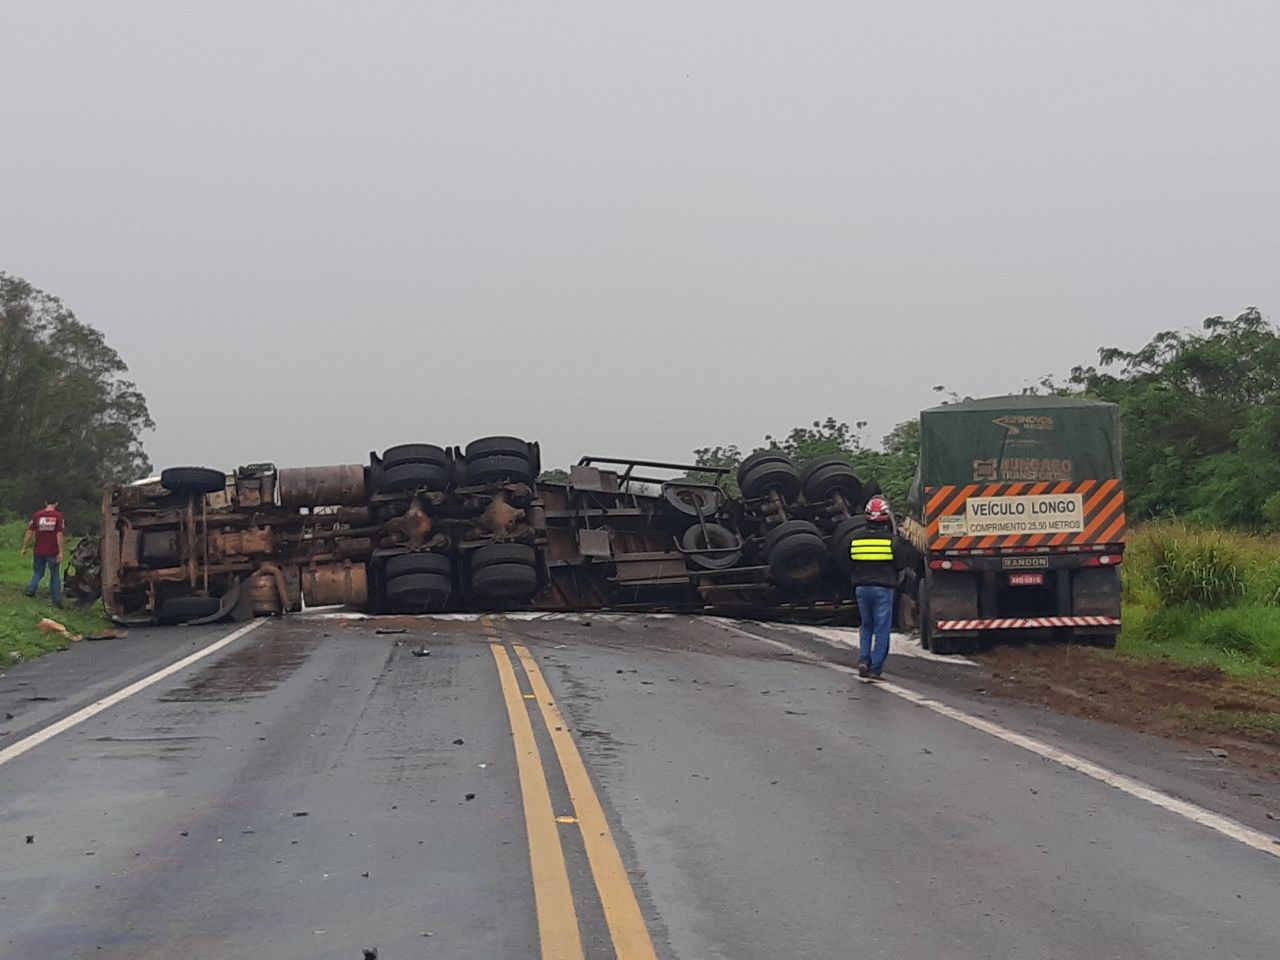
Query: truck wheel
column 773, row 475
column 181, row 609
column 1103, row 639
column 419, row 592
column 826, row 475
column 407, row 563
column 501, row 446
column 498, row 467
column 716, row 538
column 193, row 480
column 493, row 553
column 761, row 456
column 414, row 476
column 946, row 646
column 786, row 529
column 505, row 581
column 414, row 453
column 797, row 560
column 686, row 500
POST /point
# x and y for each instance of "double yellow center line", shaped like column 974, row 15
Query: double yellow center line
column 558, row 928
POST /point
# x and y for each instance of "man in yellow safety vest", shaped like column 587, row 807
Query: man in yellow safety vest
column 876, row 555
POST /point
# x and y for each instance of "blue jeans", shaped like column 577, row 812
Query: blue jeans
column 875, row 605
column 55, row 577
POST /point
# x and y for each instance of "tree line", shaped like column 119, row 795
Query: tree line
column 70, row 423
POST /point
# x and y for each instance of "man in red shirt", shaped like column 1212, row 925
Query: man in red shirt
column 47, row 527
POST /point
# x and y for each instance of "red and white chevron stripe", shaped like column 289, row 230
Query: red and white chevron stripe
column 1023, row 623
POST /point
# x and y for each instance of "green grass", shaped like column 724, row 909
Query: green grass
column 19, row 637
column 1203, row 596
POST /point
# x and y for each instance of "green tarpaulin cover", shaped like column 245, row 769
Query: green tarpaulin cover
column 1013, row 439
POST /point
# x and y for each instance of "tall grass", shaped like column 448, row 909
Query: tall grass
column 1203, row 594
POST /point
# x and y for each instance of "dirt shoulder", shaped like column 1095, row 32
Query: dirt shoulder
column 1198, row 705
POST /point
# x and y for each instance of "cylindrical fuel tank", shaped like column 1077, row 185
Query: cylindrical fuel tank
column 264, row 594
column 341, row 485
column 336, row 583
column 354, row 548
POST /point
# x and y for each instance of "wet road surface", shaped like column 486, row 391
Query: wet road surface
column 632, row 788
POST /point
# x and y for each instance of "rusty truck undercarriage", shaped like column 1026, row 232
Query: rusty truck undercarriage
column 424, row 529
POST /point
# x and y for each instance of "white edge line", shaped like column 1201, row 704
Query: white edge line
column 1134, row 788
column 13, row 751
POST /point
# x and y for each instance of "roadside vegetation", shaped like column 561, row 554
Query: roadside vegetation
column 20, row 636
column 1204, row 595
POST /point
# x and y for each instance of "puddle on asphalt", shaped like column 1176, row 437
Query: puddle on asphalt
column 249, row 672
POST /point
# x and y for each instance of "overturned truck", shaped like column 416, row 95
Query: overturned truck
column 423, row 528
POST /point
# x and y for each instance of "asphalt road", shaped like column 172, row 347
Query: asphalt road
column 624, row 787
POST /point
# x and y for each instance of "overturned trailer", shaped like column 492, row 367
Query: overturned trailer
column 423, row 528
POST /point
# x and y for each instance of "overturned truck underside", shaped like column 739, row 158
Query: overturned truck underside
column 424, row 529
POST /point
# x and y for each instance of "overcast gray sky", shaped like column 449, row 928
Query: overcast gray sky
column 316, row 229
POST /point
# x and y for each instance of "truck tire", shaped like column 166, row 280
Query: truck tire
column 498, row 467
column 414, row 476
column 505, row 581
column 193, row 480
column 926, row 618
column 685, row 501
column 797, row 560
column 763, row 477
column 182, row 609
column 786, row 529
column 414, row 453
column 407, row 563
column 827, row 475
column 418, row 593
column 494, row 553
column 1105, row 639
column 501, row 446
column 715, row 537
column 761, row 456
column 944, row 645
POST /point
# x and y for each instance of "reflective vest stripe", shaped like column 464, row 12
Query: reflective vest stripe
column 871, row 550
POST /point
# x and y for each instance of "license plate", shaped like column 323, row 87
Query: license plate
column 1026, row 579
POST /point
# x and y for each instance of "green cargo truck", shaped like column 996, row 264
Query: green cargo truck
column 1018, row 515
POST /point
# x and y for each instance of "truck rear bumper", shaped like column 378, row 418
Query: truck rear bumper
column 1026, row 623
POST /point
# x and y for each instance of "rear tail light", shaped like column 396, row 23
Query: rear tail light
column 1105, row 560
column 949, row 565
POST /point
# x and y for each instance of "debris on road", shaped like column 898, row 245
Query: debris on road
column 53, row 626
column 470, row 796
column 31, row 837
column 420, row 652
column 458, row 742
column 370, row 953
column 389, row 630
column 106, row 635
column 301, row 813
column 1218, row 752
